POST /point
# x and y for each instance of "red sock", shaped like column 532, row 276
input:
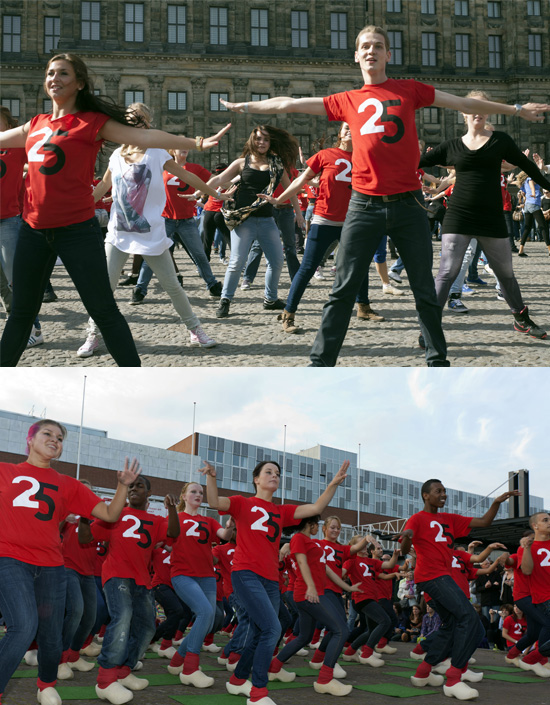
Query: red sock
column 106, row 676
column 275, row 666
column 513, row 653
column 418, row 649
column 316, row 636
column 346, row 644
column 102, row 630
column 72, row 656
column 65, row 656
column 257, row 694
column 349, row 651
column 233, row 657
column 42, row 686
column 176, row 660
column 533, row 657
column 423, row 670
column 290, row 638
column 288, row 632
column 318, row 656
column 237, row 681
column 179, row 635
column 383, row 641
column 191, row 663
column 366, row 651
column 453, row 675
column 33, row 646
column 208, row 639
column 325, row 675
column 275, row 651
column 166, row 644
column 123, row 671
column 88, row 641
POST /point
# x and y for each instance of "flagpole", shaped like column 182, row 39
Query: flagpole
column 80, row 434
column 284, row 468
column 358, row 487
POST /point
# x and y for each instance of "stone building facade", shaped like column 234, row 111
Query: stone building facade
column 180, row 56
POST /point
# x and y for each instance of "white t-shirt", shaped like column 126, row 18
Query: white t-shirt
column 136, row 225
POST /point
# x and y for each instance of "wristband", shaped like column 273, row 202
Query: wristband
column 245, row 108
column 518, row 108
column 219, row 191
column 198, row 143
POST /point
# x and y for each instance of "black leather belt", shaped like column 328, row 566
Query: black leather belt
column 383, row 199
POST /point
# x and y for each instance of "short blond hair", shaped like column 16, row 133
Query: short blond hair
column 375, row 30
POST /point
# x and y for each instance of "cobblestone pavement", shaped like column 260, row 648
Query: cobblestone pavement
column 252, row 337
column 505, row 685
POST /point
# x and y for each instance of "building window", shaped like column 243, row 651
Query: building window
column 431, row 116
column 51, row 33
column 493, row 9
column 215, row 105
column 90, row 21
column 133, row 97
column 13, row 105
column 393, row 5
column 495, row 52
column 259, row 96
column 381, row 483
column 338, row 30
column 259, row 28
column 461, row 8
column 133, row 22
column 11, row 33
column 498, row 119
column 396, row 48
column 298, row 25
column 176, row 24
column 218, row 25
column 177, row 100
column 462, row 50
column 427, row 7
column 429, row 52
column 535, row 50
column 533, row 7
column 47, row 105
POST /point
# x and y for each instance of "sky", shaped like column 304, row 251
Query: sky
column 466, row 426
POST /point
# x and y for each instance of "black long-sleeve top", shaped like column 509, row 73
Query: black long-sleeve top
column 475, row 207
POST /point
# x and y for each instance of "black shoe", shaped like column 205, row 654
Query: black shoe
column 180, row 279
column 515, row 249
column 216, row 290
column 223, row 309
column 522, row 254
column 421, row 342
column 129, row 281
column 49, row 295
column 523, row 324
column 276, row 305
column 137, row 297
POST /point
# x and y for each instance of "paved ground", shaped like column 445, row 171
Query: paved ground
column 252, row 337
column 518, row 687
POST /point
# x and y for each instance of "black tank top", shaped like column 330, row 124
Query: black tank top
column 253, row 181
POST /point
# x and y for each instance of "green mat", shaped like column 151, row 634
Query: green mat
column 28, row 673
column 209, row 699
column 77, row 692
column 303, row 671
column 400, row 674
column 151, row 654
column 162, row 679
column 504, row 669
column 512, row 678
column 395, row 691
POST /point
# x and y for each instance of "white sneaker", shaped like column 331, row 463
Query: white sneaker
column 372, row 660
column 133, row 683
column 81, row 665
column 333, row 270
column 417, row 657
column 316, row 665
column 175, row 670
column 31, row 657
column 537, row 668
column 386, row 650
column 352, row 657
column 391, row 289
column 212, row 648
column 243, row 689
column 472, row 676
column 155, row 648
column 302, row 652
column 138, row 666
column 442, row 667
column 431, row 679
column 282, row 676
column 167, row 653
column 35, row 338
column 395, row 276
column 460, row 691
column 92, row 649
column 333, row 687
column 338, row 671
column 319, row 273
column 115, row 693
column 64, row 672
column 198, row 679
column 87, row 350
column 222, row 660
column 245, row 285
column 199, row 337
column 48, row 696
column 262, row 701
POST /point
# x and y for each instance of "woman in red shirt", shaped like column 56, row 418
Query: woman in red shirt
column 59, row 211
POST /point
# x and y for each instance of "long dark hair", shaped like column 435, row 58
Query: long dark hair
column 87, row 101
column 282, row 143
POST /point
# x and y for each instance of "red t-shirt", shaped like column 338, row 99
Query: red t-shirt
column 12, row 162
column 434, row 534
column 291, row 570
column 33, row 502
column 131, row 542
column 382, row 123
column 385, row 587
column 213, row 204
column 315, row 555
column 334, row 184
column 540, row 577
column 177, row 208
column 522, row 583
column 61, row 154
column 259, row 526
column 103, row 203
column 335, row 554
column 279, row 188
column 219, row 584
column 80, row 557
column 161, row 567
column 515, row 627
column 311, row 192
column 100, row 556
column 462, row 571
column 224, row 553
column 364, row 570
column 506, row 198
column 192, row 552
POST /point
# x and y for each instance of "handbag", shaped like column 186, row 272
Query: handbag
column 517, row 215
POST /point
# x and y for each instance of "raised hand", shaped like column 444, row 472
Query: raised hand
column 207, row 469
column 533, row 111
column 170, row 501
column 209, row 142
column 503, row 497
column 341, row 474
column 235, row 107
column 130, row 473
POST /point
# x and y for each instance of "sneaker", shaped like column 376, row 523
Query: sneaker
column 49, row 295
column 180, row 279
column 488, row 269
column 137, row 297
column 421, row 342
column 522, row 254
column 216, row 290
column 319, row 273
column 130, row 280
column 477, row 280
column 199, row 337
column 89, row 346
column 523, row 324
column 333, row 271
column 515, row 249
column 276, row 305
column 245, row 285
column 223, row 309
column 456, row 306
column 500, row 297
column 467, row 290
column 35, row 338
column 395, row 276
column 391, row 289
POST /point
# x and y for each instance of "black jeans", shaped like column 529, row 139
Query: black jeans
column 538, row 217
column 82, row 251
column 366, row 223
column 212, row 220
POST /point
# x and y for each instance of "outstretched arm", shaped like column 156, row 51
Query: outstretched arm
column 309, row 510
column 214, row 500
column 172, row 167
column 491, row 513
column 148, row 139
column 469, row 106
column 294, row 188
column 111, row 512
column 480, row 557
column 309, row 106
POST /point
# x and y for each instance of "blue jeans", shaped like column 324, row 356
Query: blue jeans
column 261, row 597
column 387, row 606
column 534, row 622
column 240, row 635
column 9, row 231
column 366, row 224
column 199, row 594
column 32, row 603
column 379, row 624
column 336, row 602
column 284, row 218
column 132, row 624
column 318, row 239
column 544, row 636
column 81, row 249
column 174, row 611
column 266, row 232
column 324, row 613
column 80, row 609
column 461, row 630
column 456, row 287
column 285, row 620
column 102, row 613
column 352, row 616
column 398, row 266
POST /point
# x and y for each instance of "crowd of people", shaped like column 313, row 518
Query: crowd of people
column 80, row 578
column 366, row 188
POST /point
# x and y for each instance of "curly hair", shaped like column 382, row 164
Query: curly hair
column 282, row 143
